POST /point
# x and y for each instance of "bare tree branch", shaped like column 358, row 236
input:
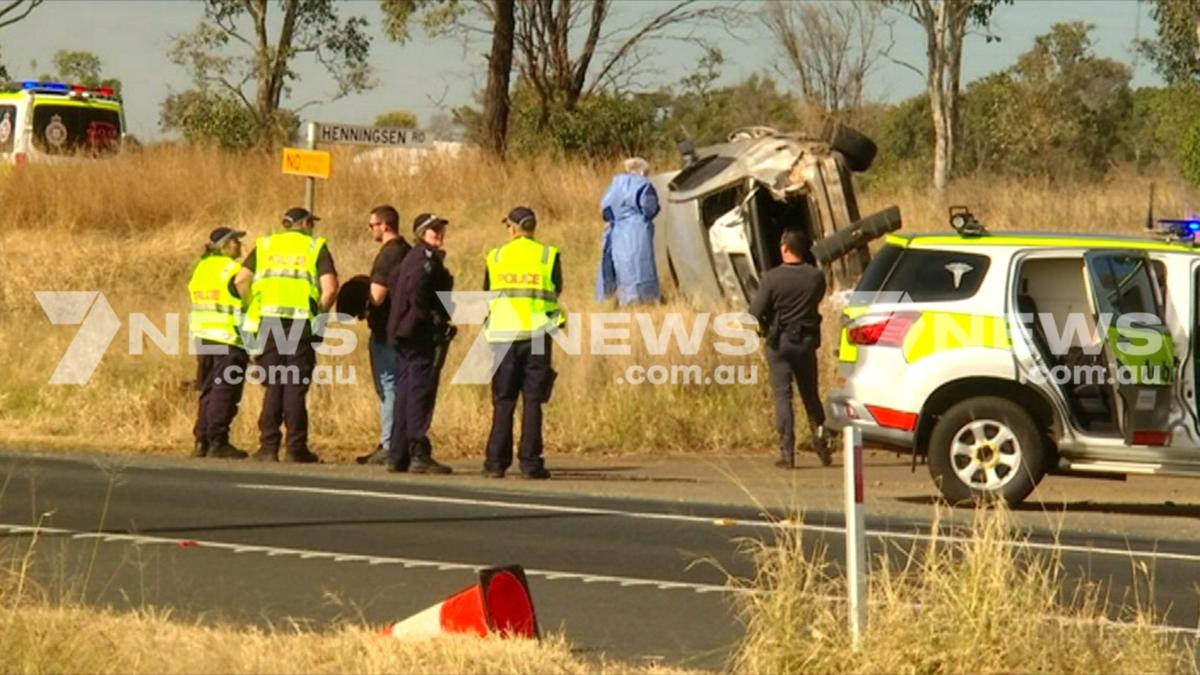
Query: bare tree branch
column 830, row 48
column 22, row 8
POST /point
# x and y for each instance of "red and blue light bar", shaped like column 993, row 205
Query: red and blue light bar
column 64, row 88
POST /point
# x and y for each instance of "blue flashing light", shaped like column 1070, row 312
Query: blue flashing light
column 1183, row 228
column 46, row 86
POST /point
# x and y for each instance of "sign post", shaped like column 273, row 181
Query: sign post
column 313, row 164
column 856, row 544
column 310, row 163
column 310, row 183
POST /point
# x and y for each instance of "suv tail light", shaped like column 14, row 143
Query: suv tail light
column 888, row 331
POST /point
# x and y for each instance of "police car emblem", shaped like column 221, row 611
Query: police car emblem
column 958, row 269
column 56, row 132
column 6, row 128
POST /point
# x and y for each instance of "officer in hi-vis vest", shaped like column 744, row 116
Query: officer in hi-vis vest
column 292, row 281
column 215, row 325
column 528, row 276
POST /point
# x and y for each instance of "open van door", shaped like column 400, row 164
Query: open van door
column 1128, row 306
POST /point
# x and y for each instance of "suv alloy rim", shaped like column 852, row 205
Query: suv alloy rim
column 985, row 454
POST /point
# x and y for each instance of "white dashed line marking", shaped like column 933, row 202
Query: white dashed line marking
column 408, row 563
column 725, row 522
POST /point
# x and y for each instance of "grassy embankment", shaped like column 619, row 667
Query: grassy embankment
column 134, row 227
column 975, row 605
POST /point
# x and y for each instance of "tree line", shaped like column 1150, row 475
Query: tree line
column 567, row 77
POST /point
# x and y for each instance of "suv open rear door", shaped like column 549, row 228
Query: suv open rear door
column 1129, row 310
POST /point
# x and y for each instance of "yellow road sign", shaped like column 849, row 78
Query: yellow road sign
column 315, row 163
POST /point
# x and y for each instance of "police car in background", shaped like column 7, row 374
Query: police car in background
column 1002, row 357
column 53, row 121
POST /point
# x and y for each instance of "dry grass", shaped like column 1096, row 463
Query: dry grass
column 977, row 606
column 133, row 228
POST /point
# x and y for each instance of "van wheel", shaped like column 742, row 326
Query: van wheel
column 986, row 449
column 858, row 150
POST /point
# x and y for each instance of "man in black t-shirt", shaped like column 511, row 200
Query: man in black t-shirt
column 385, row 228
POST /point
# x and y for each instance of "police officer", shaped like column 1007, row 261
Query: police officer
column 215, row 326
column 787, row 307
column 418, row 325
column 384, row 224
column 528, row 276
column 292, row 280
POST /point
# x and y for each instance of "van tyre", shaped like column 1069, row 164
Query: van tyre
column 858, row 150
column 986, row 449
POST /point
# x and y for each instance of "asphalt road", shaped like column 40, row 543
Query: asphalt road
column 633, row 579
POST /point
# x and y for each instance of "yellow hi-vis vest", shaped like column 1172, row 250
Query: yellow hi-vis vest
column 528, row 302
column 216, row 313
column 285, row 278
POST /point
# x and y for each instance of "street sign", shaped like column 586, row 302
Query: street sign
column 311, row 163
column 363, row 135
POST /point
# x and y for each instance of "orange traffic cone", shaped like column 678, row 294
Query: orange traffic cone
column 499, row 603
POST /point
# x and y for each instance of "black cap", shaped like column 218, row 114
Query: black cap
column 426, row 221
column 521, row 216
column 298, row 215
column 218, row 237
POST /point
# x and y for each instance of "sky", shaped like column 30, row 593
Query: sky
column 429, row 76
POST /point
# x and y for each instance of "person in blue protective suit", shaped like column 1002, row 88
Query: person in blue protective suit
column 627, row 266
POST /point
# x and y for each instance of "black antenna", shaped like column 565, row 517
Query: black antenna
column 1150, row 212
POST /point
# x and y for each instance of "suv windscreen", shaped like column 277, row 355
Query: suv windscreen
column 936, row 276
column 70, row 129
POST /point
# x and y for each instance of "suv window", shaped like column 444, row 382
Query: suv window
column 878, row 269
column 937, row 276
column 8, row 127
column 66, row 129
column 1126, row 288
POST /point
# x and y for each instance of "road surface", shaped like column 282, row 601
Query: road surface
column 632, row 578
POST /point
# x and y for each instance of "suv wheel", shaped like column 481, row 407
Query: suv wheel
column 858, row 150
column 985, row 449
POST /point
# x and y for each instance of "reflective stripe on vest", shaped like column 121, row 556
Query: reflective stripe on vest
column 521, row 272
column 285, row 277
column 216, row 313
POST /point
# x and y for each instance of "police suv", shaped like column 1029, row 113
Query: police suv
column 1004, row 357
column 51, row 121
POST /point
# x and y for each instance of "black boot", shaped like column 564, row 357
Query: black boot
column 265, row 454
column 221, row 448
column 302, row 456
column 786, row 462
column 423, row 462
column 822, row 443
column 201, row 449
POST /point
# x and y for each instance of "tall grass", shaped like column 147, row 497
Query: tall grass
column 133, row 228
column 976, row 605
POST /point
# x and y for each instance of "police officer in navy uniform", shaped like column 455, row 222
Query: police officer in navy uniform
column 418, row 325
column 787, row 307
column 215, row 326
column 292, row 281
column 527, row 275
